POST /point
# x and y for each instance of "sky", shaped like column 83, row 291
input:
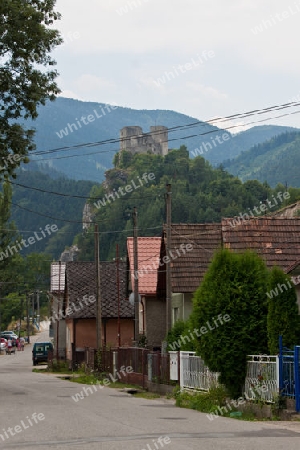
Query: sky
column 203, row 58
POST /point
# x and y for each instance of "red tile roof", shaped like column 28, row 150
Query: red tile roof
column 148, row 263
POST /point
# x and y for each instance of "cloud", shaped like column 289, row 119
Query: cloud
column 70, row 94
column 117, row 56
column 207, row 91
column 88, row 87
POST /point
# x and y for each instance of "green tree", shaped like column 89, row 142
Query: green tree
column 35, row 269
column 234, row 288
column 9, row 256
column 27, row 77
column 200, row 193
column 10, row 277
column 12, row 309
column 283, row 313
column 179, row 338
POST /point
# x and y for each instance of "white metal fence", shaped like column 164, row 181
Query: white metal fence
column 262, row 378
column 194, row 374
column 261, row 383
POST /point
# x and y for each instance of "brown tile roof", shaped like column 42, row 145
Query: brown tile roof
column 292, row 267
column 148, row 261
column 81, row 281
column 289, row 211
column 189, row 267
column 275, row 239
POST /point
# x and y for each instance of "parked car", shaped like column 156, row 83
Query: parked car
column 3, row 343
column 9, row 334
column 40, row 352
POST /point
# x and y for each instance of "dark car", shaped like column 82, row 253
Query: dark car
column 40, row 352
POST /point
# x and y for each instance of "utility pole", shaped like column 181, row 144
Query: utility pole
column 136, row 278
column 38, row 309
column 27, row 306
column 118, row 293
column 58, row 312
column 168, row 265
column 98, row 291
column 32, row 314
column 20, row 318
column 0, row 312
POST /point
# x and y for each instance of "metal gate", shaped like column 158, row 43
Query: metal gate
column 289, row 372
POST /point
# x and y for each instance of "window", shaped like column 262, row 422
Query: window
column 175, row 314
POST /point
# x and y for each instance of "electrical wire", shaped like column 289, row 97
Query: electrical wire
column 166, row 141
column 240, row 115
column 178, row 128
column 78, row 196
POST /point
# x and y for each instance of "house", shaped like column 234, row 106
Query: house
column 81, row 306
column 57, row 325
column 275, row 239
column 294, row 272
column 192, row 249
column 152, row 319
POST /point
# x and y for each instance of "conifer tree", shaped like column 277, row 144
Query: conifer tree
column 234, row 287
column 283, row 311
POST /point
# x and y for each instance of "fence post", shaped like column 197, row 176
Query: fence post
column 115, row 363
column 150, row 363
column 181, row 370
column 143, row 367
column 280, row 357
column 297, row 377
column 173, row 365
column 278, row 374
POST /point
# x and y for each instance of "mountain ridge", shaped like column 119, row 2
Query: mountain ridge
column 274, row 161
column 91, row 162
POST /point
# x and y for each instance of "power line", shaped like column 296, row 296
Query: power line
column 175, row 129
column 74, row 196
column 45, row 215
column 77, row 221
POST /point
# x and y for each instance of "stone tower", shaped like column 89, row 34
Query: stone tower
column 132, row 139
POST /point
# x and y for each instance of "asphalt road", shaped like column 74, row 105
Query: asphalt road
column 37, row 411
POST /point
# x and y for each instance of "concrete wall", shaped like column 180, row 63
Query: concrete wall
column 182, row 306
column 69, row 339
column 59, row 329
column 155, row 321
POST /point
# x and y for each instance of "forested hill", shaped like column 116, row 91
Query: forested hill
column 200, row 194
column 275, row 161
column 33, row 208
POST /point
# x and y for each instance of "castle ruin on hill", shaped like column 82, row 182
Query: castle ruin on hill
column 132, row 139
